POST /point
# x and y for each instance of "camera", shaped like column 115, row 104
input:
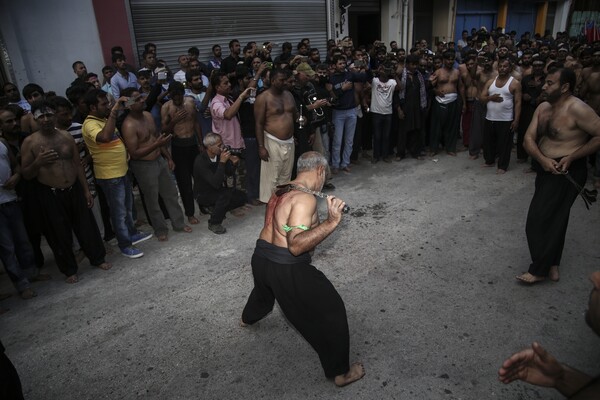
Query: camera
column 238, row 152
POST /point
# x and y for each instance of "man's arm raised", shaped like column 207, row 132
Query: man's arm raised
column 300, row 241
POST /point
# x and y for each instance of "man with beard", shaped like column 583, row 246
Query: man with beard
column 485, row 72
column 558, row 140
column 468, row 74
column 214, row 62
column 526, row 62
column 538, row 367
column 178, row 117
column 411, row 108
column 531, row 88
column 11, row 91
column 229, row 63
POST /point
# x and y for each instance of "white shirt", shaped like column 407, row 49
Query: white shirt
column 382, row 94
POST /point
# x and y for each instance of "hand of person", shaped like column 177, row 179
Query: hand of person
column 246, row 93
column 163, row 139
column 550, row 165
column 496, row 98
column 235, row 160
column 46, row 156
column 400, row 113
column 89, row 199
column 180, row 116
column 334, row 209
column 225, row 155
column 535, row 366
column 514, row 126
column 171, row 164
column 120, row 103
column 564, row 164
column 11, row 182
column 263, row 153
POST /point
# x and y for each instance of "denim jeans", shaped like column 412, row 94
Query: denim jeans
column 120, row 201
column 345, row 124
column 382, row 124
column 16, row 252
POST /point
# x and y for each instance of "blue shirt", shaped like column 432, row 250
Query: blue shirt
column 119, row 82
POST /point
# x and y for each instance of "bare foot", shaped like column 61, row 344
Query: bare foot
column 28, row 294
column 500, row 171
column 72, row 279
column 105, row 266
column 472, row 157
column 487, row 165
column 529, row 279
column 162, row 238
column 193, row 220
column 238, row 212
column 451, row 153
column 356, row 372
column 553, row 274
column 528, row 171
column 187, row 229
column 243, row 324
column 139, row 223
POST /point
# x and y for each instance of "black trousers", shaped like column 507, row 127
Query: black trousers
column 497, row 142
column 183, row 157
column 10, row 384
column 311, row 304
column 223, row 200
column 65, row 212
column 445, row 124
column 548, row 215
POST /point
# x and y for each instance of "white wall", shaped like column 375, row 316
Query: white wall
column 44, row 37
column 561, row 17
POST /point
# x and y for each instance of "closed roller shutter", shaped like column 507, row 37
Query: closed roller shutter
column 175, row 26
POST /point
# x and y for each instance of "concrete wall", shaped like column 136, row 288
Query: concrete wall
column 444, row 13
column 561, row 17
column 43, row 38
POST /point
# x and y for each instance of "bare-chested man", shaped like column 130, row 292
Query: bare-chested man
column 558, row 139
column 178, row 117
column 468, row 74
column 282, row 270
column 151, row 163
column 275, row 113
column 446, row 106
column 485, row 72
column 52, row 157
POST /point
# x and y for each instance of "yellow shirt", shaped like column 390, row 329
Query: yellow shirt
column 110, row 159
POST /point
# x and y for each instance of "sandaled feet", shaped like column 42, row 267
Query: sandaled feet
column 72, row 279
column 529, row 279
column 105, row 266
column 193, row 220
column 356, row 372
column 553, row 274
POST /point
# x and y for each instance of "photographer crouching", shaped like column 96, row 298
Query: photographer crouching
column 210, row 190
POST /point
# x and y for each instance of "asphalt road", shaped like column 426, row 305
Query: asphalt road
column 425, row 263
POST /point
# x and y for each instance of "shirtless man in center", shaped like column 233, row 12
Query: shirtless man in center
column 446, row 106
column 275, row 113
column 563, row 131
column 468, row 75
column 282, row 271
column 151, row 164
column 178, row 117
column 51, row 157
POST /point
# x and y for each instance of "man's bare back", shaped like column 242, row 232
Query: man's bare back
column 279, row 113
column 56, row 157
column 184, row 115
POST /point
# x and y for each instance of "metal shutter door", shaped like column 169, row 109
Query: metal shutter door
column 175, row 26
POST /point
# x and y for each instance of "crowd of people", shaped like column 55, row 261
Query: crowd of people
column 223, row 135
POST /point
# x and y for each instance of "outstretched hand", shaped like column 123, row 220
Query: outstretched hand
column 534, row 365
column 334, row 208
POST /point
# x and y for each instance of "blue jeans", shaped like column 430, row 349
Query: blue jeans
column 16, row 252
column 120, row 201
column 382, row 124
column 345, row 125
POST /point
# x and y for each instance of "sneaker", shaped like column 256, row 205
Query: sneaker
column 217, row 228
column 132, row 252
column 140, row 237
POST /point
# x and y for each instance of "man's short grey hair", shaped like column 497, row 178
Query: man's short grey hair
column 210, row 139
column 310, row 161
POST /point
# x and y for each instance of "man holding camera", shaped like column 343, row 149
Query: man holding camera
column 210, row 169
